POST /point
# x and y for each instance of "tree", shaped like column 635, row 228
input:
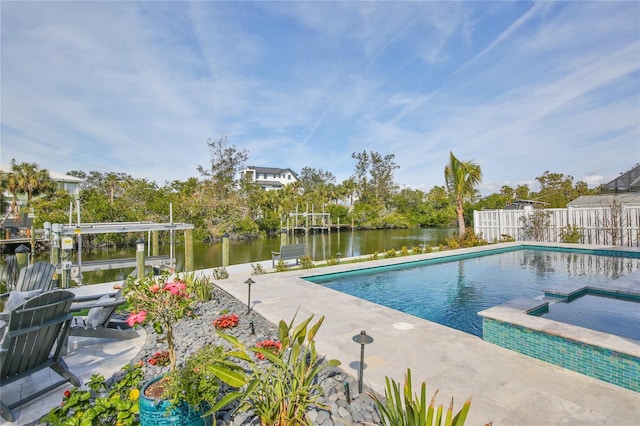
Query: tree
column 226, row 161
column 461, row 178
column 226, row 208
column 31, row 180
column 374, row 184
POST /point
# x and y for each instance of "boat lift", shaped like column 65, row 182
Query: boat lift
column 61, row 238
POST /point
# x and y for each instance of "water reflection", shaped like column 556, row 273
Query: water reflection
column 320, row 246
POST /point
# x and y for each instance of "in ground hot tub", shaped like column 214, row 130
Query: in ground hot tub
column 594, row 333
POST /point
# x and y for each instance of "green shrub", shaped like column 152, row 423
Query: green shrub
column 407, row 409
column 453, row 242
column 220, row 273
column 257, row 269
column 100, row 404
column 200, row 287
column 428, row 249
column 390, row 253
column 416, row 250
column 281, row 266
column 571, row 234
column 333, row 261
column 374, row 256
column 197, row 382
column 404, row 251
column 282, row 390
column 306, row 262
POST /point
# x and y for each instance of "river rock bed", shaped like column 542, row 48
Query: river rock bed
column 340, row 390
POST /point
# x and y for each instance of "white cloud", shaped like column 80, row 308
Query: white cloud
column 133, row 87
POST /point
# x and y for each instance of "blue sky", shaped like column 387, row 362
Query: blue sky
column 139, row 87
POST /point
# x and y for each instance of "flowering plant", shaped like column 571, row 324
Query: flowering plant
column 159, row 358
column 162, row 300
column 272, row 346
column 226, row 321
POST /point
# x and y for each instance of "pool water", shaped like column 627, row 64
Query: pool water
column 451, row 292
column 603, row 313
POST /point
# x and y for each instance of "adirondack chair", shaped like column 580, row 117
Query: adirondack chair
column 36, row 276
column 100, row 321
column 33, row 341
column 10, row 271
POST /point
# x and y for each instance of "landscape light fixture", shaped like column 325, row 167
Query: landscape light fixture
column 362, row 339
column 248, row 282
column 140, row 244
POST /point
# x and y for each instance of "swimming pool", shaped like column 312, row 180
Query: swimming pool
column 452, row 290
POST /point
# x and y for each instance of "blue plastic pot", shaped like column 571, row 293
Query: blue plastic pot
column 156, row 412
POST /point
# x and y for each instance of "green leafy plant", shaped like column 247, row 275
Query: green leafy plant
column 408, row 409
column 333, row 261
column 100, row 404
column 220, row 273
column 306, row 262
column 535, row 226
column 404, row 251
column 571, row 234
column 281, row 390
column 428, row 249
column 390, row 253
column 374, row 256
column 257, row 269
column 453, row 243
column 282, row 266
column 198, row 381
column 200, row 287
column 162, row 301
column 416, row 250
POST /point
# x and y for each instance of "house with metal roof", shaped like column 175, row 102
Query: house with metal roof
column 269, row 178
column 624, row 190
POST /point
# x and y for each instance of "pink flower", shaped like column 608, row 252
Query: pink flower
column 176, row 288
column 136, row 318
column 154, row 288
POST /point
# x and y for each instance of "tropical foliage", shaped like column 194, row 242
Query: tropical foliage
column 461, row 177
column 283, row 383
column 408, row 409
column 218, row 202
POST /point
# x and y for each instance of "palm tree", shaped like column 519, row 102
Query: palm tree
column 31, row 179
column 13, row 186
column 462, row 178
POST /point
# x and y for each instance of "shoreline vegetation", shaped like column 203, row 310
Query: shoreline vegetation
column 218, row 202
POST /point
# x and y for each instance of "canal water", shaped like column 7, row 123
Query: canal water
column 320, row 246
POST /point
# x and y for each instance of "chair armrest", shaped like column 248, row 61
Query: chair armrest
column 77, row 307
column 90, row 297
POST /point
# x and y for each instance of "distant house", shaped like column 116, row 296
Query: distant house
column 623, row 190
column 65, row 182
column 628, row 181
column 522, row 204
column 269, row 178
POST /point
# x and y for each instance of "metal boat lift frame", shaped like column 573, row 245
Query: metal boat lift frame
column 56, row 232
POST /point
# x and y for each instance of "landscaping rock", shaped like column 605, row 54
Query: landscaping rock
column 194, row 332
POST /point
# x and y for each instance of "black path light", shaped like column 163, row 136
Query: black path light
column 248, row 282
column 362, row 339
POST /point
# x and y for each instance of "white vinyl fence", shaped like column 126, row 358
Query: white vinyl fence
column 598, row 225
